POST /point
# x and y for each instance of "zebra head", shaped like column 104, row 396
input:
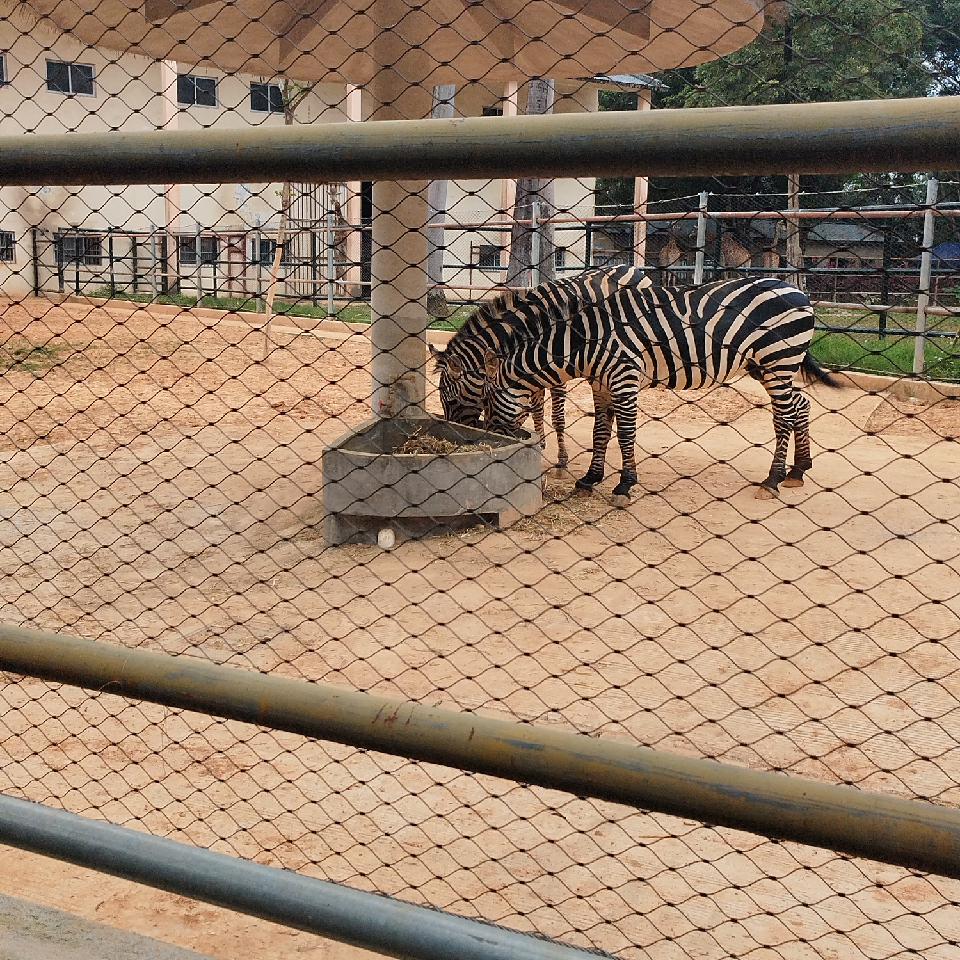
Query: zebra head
column 505, row 405
column 460, row 393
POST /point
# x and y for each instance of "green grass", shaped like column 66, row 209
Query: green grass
column 30, row 357
column 352, row 313
column 891, row 355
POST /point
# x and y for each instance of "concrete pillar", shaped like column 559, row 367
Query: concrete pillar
column 641, row 192
column 170, row 120
column 354, row 113
column 398, row 304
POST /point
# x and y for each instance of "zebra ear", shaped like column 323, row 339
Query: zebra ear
column 491, row 365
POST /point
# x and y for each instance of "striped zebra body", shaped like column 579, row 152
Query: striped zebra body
column 462, row 382
column 622, row 334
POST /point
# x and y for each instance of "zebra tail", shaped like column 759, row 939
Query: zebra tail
column 812, row 372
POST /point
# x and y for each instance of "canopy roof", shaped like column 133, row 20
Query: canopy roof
column 435, row 41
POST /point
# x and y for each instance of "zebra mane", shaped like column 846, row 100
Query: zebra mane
column 508, row 317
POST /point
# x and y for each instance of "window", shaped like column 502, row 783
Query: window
column 488, row 257
column 196, row 91
column 492, row 112
column 7, row 246
column 187, row 250
column 73, row 79
column 3, row 68
column 265, row 252
column 80, row 248
column 560, row 257
column 266, row 98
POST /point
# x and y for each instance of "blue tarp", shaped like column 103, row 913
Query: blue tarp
column 946, row 254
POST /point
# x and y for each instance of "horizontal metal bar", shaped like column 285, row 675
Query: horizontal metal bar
column 889, row 829
column 889, row 333
column 858, row 136
column 329, row 909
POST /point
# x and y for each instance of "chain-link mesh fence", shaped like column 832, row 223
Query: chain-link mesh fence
column 175, row 358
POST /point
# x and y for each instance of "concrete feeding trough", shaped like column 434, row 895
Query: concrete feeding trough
column 369, row 488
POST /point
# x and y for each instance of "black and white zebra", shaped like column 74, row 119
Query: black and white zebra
column 621, row 334
column 462, row 396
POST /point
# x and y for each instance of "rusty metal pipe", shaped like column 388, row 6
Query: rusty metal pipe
column 909, row 833
column 855, row 136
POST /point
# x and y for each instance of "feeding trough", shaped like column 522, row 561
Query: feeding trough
column 371, row 484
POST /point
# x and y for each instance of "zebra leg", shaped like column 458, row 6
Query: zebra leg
column 781, row 393
column 626, row 408
column 558, row 397
column 537, row 404
column 603, row 413
column 802, row 461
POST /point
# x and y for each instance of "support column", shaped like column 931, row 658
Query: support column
column 170, row 120
column 923, row 295
column 398, row 303
column 641, row 193
column 508, row 188
column 354, row 113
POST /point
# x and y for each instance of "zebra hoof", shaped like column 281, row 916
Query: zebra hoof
column 621, row 500
column 558, row 473
column 766, row 493
column 583, row 487
column 795, row 477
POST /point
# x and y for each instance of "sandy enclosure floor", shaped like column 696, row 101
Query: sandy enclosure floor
column 160, row 486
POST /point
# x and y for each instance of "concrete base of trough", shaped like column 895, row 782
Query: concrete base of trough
column 368, row 487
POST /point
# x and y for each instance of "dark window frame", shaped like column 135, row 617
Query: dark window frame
column 268, row 250
column 8, row 246
column 209, row 249
column 81, row 248
column 196, row 91
column 489, row 256
column 71, row 79
column 266, row 97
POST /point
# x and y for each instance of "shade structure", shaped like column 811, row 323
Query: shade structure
column 398, row 50
column 436, row 41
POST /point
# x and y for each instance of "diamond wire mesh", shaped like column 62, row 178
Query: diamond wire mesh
column 162, row 487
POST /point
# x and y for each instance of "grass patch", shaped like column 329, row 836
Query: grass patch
column 351, row 313
column 892, row 354
column 30, row 357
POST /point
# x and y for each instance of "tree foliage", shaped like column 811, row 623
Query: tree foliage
column 823, row 50
column 812, row 51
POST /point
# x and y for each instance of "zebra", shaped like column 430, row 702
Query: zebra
column 620, row 335
column 460, row 409
column 462, row 401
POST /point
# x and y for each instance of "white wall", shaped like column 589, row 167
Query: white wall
column 128, row 96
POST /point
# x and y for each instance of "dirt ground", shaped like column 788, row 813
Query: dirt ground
column 161, row 486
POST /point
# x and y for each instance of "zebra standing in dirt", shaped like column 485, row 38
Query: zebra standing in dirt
column 462, row 400
column 621, row 335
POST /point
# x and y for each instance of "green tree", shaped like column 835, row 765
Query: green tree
column 825, row 50
column 820, row 51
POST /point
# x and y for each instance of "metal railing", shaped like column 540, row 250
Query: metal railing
column 907, row 833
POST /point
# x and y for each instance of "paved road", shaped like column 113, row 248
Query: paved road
column 31, row 932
